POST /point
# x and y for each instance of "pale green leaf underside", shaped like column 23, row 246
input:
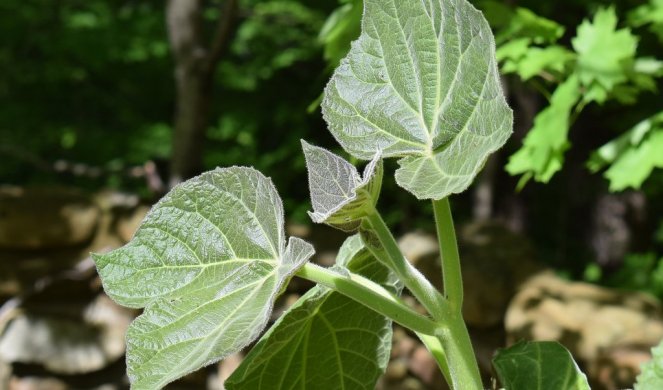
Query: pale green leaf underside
column 340, row 197
column 325, row 341
column 206, row 263
column 542, row 365
column 421, row 82
column 651, row 375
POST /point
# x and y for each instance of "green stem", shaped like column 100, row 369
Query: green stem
column 434, row 345
column 463, row 367
column 371, row 295
column 451, row 273
column 388, row 252
column 464, row 370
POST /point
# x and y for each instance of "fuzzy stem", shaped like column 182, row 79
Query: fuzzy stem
column 383, row 246
column 451, row 273
column 371, row 295
column 463, row 367
column 434, row 345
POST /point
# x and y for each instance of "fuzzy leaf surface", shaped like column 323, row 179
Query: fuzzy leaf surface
column 325, row 340
column 340, row 197
column 651, row 375
column 206, row 264
column 421, row 84
column 543, row 365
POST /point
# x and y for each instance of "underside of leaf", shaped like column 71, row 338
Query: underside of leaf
column 421, row 82
column 340, row 197
column 206, row 263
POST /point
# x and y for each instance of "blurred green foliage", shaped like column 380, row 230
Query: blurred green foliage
column 633, row 156
column 91, row 81
column 602, row 66
column 74, row 80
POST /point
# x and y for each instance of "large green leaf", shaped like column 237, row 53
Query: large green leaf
column 651, row 377
column 421, row 83
column 542, row 153
column 340, row 197
column 325, row 340
column 206, row 263
column 542, row 365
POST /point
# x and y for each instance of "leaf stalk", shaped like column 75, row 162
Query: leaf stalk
column 451, row 271
column 460, row 355
column 386, row 250
column 371, row 295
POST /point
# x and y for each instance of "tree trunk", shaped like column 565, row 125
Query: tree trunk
column 195, row 62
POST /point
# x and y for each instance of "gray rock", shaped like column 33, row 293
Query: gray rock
column 45, row 218
column 606, row 330
column 67, row 345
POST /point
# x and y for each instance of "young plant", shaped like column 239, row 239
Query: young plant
column 421, row 85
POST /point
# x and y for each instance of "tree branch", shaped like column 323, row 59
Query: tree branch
column 225, row 29
column 184, row 18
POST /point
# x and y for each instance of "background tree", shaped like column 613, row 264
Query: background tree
column 195, row 65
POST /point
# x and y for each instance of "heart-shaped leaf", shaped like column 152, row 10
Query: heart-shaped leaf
column 421, row 83
column 544, row 365
column 325, row 340
column 206, row 263
column 340, row 197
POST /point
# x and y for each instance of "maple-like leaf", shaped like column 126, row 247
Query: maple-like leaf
column 605, row 54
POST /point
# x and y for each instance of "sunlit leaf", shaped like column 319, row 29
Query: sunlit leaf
column 421, row 84
column 604, row 53
column 543, row 365
column 325, row 340
column 206, row 263
column 513, row 51
column 633, row 156
column 340, row 197
column 542, row 153
column 650, row 14
column 636, row 165
column 529, row 61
